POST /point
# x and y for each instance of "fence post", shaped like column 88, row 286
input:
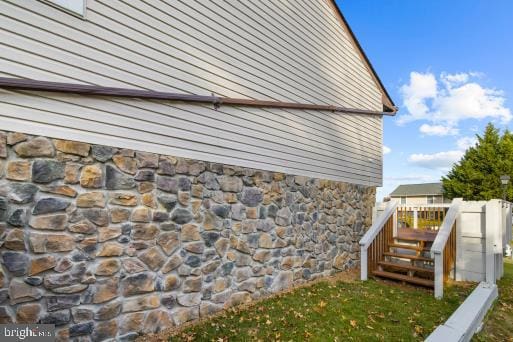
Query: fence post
column 492, row 229
column 415, row 218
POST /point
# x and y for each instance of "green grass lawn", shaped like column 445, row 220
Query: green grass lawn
column 498, row 325
column 334, row 311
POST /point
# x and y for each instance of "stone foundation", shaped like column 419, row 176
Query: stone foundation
column 109, row 243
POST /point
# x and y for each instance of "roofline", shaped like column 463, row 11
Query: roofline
column 411, row 195
column 388, row 103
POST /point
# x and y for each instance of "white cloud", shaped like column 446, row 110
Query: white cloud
column 438, row 130
column 466, row 142
column 437, row 161
column 456, row 97
column 386, row 150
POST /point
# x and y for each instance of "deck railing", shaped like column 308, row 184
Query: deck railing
column 443, row 250
column 428, row 217
column 376, row 239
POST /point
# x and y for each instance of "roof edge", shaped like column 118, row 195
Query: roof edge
column 388, row 103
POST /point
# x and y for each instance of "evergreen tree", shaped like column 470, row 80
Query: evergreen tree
column 477, row 175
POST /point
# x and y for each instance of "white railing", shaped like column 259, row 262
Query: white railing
column 374, row 230
column 439, row 246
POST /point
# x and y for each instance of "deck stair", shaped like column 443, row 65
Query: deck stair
column 407, row 260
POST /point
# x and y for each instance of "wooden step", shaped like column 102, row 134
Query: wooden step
column 403, row 246
column 407, row 256
column 402, row 277
column 406, row 267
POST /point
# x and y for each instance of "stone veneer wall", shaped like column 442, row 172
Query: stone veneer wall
column 108, row 243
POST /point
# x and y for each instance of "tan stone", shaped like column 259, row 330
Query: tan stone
column 14, row 240
column 72, row 173
column 145, row 187
column 91, row 177
column 237, row 299
column 148, row 200
column 144, row 231
column 118, row 215
column 49, row 222
column 145, row 159
column 20, row 292
column 183, row 198
column 265, row 241
column 18, row 170
column 221, row 284
column 252, row 212
column 221, row 246
column 131, row 323
column 183, row 315
column 196, row 206
column 51, row 243
column 83, row 227
column 63, row 190
column 171, row 282
column 153, row 258
column 3, row 145
column 125, row 164
column 278, row 176
column 105, row 330
column 72, row 147
column 171, row 264
column 169, row 242
column 230, row 197
column 15, row 137
column 190, row 232
column 123, row 198
column 108, row 267
column 38, row 265
column 133, row 265
column 28, row 313
column 110, row 249
column 108, row 233
column 91, row 200
column 197, row 190
column 157, row 320
column 138, row 283
column 106, row 290
column 141, row 303
column 141, row 214
column 36, row 147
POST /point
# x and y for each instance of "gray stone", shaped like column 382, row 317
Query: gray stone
column 55, row 303
column 33, row 281
column 37, row 147
column 282, row 281
column 16, row 263
column 193, row 261
column 46, row 171
column 181, row 216
column 167, row 184
column 145, row 159
column 166, row 167
column 210, row 181
column 283, row 217
column 103, row 153
column 210, row 238
column 252, row 197
column 138, row 283
column 191, row 299
column 3, row 208
column 145, row 175
column 116, row 180
column 22, row 193
column 49, row 205
column 17, row 218
column 81, row 314
column 221, row 210
column 81, row 329
column 266, row 225
column 57, row 318
column 238, row 211
column 272, row 210
column 184, row 184
column 99, row 217
column 168, row 201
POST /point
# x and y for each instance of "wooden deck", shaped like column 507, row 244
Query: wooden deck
column 416, row 234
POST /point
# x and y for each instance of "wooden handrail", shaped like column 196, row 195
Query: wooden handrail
column 376, row 239
column 443, row 250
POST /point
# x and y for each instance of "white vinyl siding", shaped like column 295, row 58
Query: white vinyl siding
column 273, row 50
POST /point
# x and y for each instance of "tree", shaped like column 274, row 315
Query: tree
column 477, row 175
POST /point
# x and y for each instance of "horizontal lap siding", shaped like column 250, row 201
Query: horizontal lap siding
column 250, row 49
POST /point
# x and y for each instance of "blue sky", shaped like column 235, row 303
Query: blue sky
column 448, row 65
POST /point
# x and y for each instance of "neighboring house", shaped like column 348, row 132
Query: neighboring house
column 419, row 194
column 173, row 149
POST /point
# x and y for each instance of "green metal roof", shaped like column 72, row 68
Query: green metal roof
column 423, row 189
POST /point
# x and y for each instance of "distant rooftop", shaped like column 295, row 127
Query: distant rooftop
column 423, row 189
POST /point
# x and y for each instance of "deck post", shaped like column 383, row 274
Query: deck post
column 415, row 218
column 363, row 266
column 439, row 274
